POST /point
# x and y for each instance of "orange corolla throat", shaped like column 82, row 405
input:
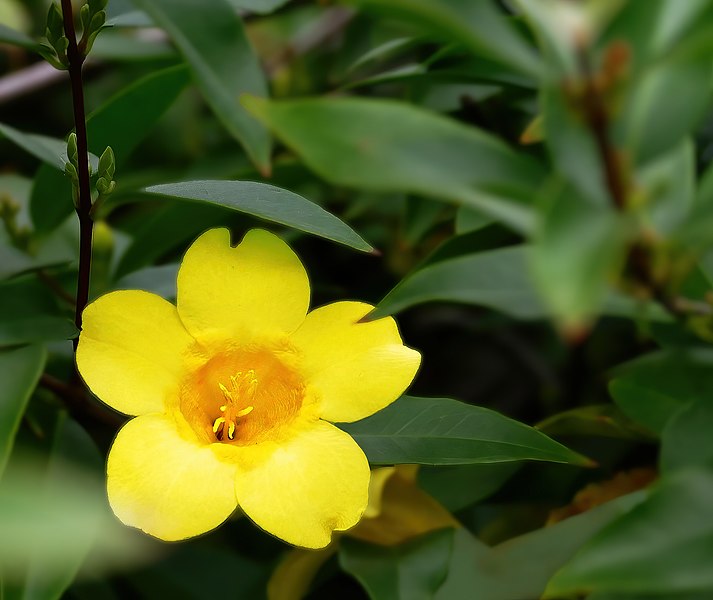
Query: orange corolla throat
column 240, row 393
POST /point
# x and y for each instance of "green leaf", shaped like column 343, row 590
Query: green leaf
column 663, row 546
column 669, row 184
column 266, row 202
column 498, row 279
column 261, row 7
column 167, row 229
column 579, row 250
column 685, row 441
column 468, row 219
column 412, row 571
column 13, row 261
column 439, row 431
column 391, row 146
column 520, row 567
column 48, row 150
column 222, row 62
column 122, row 122
column 17, row 38
column 48, row 577
column 652, row 388
column 480, row 27
column 160, row 280
column 654, row 119
column 28, row 313
column 52, row 514
column 598, row 420
column 459, row 486
column 20, row 371
column 572, row 147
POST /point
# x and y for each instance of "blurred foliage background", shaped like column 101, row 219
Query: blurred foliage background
column 535, row 177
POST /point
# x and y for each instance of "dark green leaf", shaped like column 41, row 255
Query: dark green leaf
column 159, row 280
column 52, row 514
column 685, row 441
column 669, row 186
column 412, row 571
column 663, row 546
column 572, row 147
column 457, row 487
column 579, row 249
column 599, row 420
column 122, row 122
column 392, row 146
column 28, row 313
column 654, row 119
column 167, row 229
column 266, row 202
column 520, row 567
column 222, row 61
column 47, row 149
column 652, row 388
column 478, row 26
column 438, row 431
column 17, row 38
column 20, row 371
column 498, row 279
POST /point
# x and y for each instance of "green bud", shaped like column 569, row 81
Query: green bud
column 50, row 55
column 72, row 152
column 85, row 16
column 107, row 164
column 97, row 5
column 55, row 23
column 97, row 21
column 71, row 171
column 105, row 187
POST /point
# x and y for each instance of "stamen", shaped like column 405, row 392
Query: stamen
column 246, row 411
column 243, row 388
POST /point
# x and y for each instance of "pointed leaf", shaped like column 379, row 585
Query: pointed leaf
column 266, row 202
column 20, row 371
column 223, row 64
column 439, row 431
column 390, row 146
column 412, row 571
column 663, row 546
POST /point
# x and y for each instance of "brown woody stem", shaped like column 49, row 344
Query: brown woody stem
column 84, row 200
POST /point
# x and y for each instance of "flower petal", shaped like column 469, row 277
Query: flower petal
column 355, row 368
column 169, row 486
column 130, row 350
column 303, row 489
column 259, row 286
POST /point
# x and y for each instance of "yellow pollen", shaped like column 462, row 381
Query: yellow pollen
column 242, row 390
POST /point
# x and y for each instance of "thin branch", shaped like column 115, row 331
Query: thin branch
column 55, row 286
column 598, row 120
column 639, row 264
column 84, row 202
column 78, row 403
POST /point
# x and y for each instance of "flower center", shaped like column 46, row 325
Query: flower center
column 243, row 396
column 242, row 390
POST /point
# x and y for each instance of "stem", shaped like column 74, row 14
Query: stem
column 639, row 263
column 598, row 121
column 84, row 201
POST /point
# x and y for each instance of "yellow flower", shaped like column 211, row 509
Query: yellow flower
column 233, row 390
